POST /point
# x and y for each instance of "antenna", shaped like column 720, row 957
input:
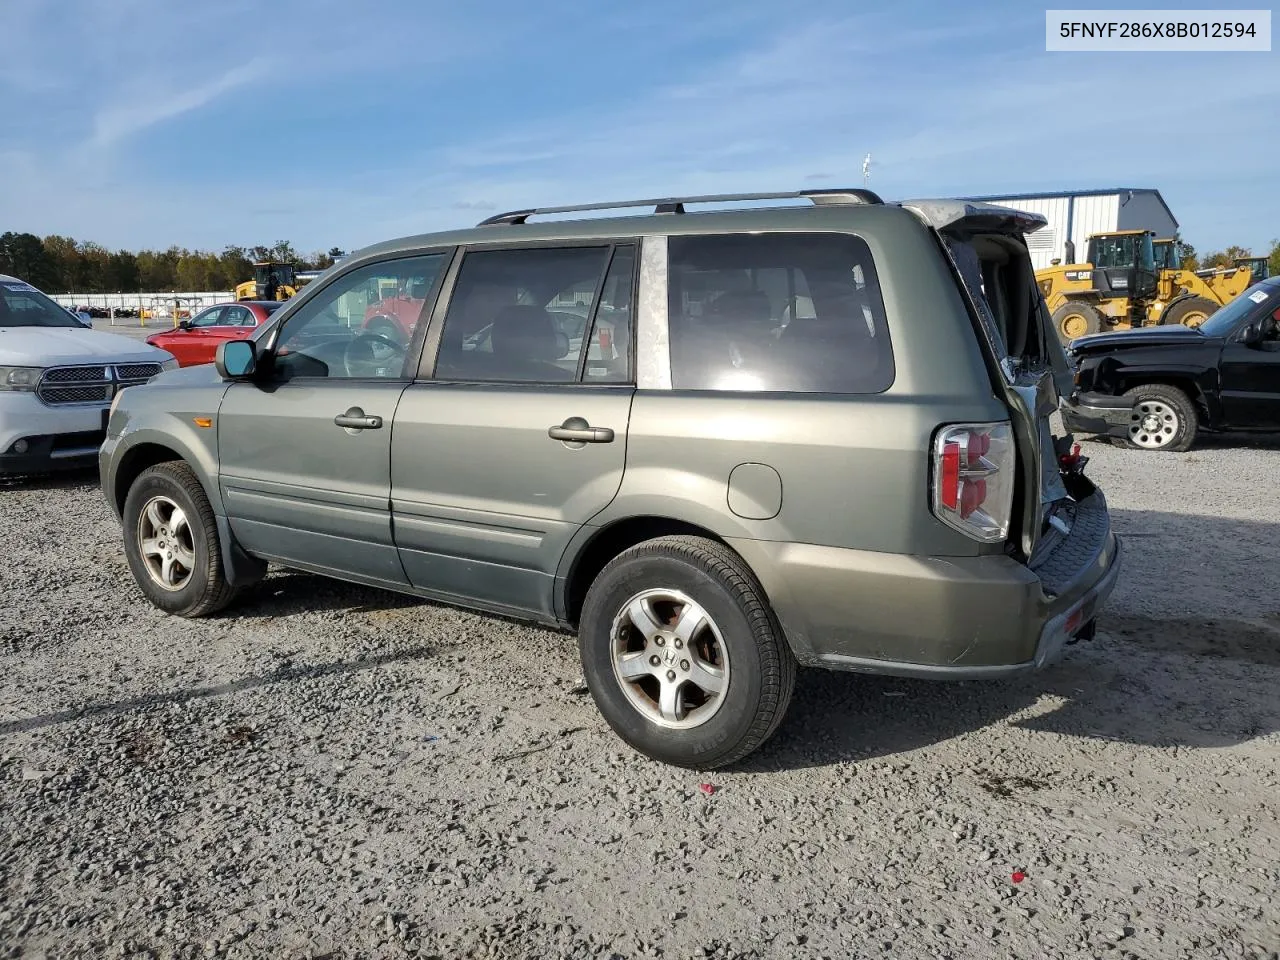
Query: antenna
column 866, row 171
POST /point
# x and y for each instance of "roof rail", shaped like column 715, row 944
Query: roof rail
column 676, row 204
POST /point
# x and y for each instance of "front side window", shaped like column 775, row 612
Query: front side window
column 781, row 312
column 208, row 318
column 329, row 335
column 523, row 316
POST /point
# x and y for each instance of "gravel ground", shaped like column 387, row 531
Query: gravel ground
column 331, row 771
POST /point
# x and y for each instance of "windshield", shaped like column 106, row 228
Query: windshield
column 283, row 271
column 1168, row 255
column 1223, row 321
column 22, row 305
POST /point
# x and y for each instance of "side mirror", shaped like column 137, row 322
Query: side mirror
column 1253, row 333
column 236, row 359
column 184, row 325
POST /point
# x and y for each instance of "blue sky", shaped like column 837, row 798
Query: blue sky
column 145, row 123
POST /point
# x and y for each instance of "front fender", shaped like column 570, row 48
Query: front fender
column 170, row 428
column 157, row 417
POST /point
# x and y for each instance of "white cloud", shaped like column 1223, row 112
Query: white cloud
column 116, row 121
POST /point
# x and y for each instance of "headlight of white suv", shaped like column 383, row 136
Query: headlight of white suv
column 170, row 364
column 20, row 378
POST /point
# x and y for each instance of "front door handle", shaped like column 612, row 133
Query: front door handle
column 355, row 419
column 577, row 430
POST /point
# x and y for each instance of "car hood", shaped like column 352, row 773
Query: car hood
column 55, row 346
column 1140, row 337
column 200, row 375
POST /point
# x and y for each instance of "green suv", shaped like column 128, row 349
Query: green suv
column 716, row 443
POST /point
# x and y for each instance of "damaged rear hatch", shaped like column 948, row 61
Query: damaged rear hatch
column 987, row 248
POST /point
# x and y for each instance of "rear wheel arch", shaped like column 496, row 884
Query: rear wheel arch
column 614, row 539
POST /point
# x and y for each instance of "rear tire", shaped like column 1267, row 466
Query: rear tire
column 1190, row 312
column 682, row 653
column 1075, row 318
column 1163, row 419
column 171, row 542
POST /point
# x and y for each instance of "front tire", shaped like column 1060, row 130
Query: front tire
column 682, row 653
column 1163, row 419
column 171, row 542
column 1076, row 319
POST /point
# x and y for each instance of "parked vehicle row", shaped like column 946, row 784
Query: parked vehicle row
column 716, row 445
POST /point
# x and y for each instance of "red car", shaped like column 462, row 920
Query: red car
column 196, row 340
column 394, row 317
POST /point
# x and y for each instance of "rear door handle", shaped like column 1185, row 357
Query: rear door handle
column 577, row 430
column 355, row 419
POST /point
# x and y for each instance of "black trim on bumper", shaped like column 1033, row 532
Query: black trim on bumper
column 1097, row 414
column 44, row 454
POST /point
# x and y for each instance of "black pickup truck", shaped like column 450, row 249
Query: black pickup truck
column 1154, row 388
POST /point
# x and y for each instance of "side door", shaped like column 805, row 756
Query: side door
column 514, row 436
column 305, row 449
column 1250, row 374
column 195, row 345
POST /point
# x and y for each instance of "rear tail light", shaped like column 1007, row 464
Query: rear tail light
column 973, row 474
column 605, row 340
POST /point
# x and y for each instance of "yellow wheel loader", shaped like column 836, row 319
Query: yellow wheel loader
column 1132, row 280
column 1114, row 289
column 272, row 280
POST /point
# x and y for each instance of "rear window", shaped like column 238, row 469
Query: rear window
column 782, row 312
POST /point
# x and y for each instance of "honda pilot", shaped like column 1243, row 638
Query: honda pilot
column 717, row 440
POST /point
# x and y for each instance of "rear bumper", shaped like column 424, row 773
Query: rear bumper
column 940, row 617
column 1097, row 414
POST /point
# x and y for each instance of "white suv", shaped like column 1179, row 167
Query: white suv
column 57, row 381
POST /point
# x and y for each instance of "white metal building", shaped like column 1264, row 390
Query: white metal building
column 1076, row 214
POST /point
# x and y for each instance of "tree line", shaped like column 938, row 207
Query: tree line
column 63, row 265
column 1226, row 258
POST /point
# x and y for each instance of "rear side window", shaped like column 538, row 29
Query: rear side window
column 781, row 312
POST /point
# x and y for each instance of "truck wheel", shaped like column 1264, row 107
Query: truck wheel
column 1076, row 319
column 682, row 653
column 1190, row 311
column 1163, row 418
column 171, row 542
